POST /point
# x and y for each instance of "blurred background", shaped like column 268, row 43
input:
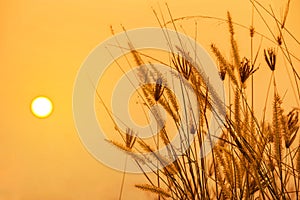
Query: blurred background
column 42, row 46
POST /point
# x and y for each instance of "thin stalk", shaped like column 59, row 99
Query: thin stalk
column 123, row 178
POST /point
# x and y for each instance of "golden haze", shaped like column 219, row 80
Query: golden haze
column 42, row 45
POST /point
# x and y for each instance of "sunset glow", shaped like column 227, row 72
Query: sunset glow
column 53, row 150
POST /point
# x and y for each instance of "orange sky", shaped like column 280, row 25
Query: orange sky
column 42, row 45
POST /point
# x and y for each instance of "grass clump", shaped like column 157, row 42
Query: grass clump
column 254, row 158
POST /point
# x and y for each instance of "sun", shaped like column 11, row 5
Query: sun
column 41, row 107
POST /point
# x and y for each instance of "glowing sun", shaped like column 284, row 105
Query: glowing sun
column 41, row 107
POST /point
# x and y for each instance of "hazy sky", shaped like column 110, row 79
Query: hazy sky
column 42, row 46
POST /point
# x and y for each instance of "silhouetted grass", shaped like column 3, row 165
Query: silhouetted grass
column 254, row 158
